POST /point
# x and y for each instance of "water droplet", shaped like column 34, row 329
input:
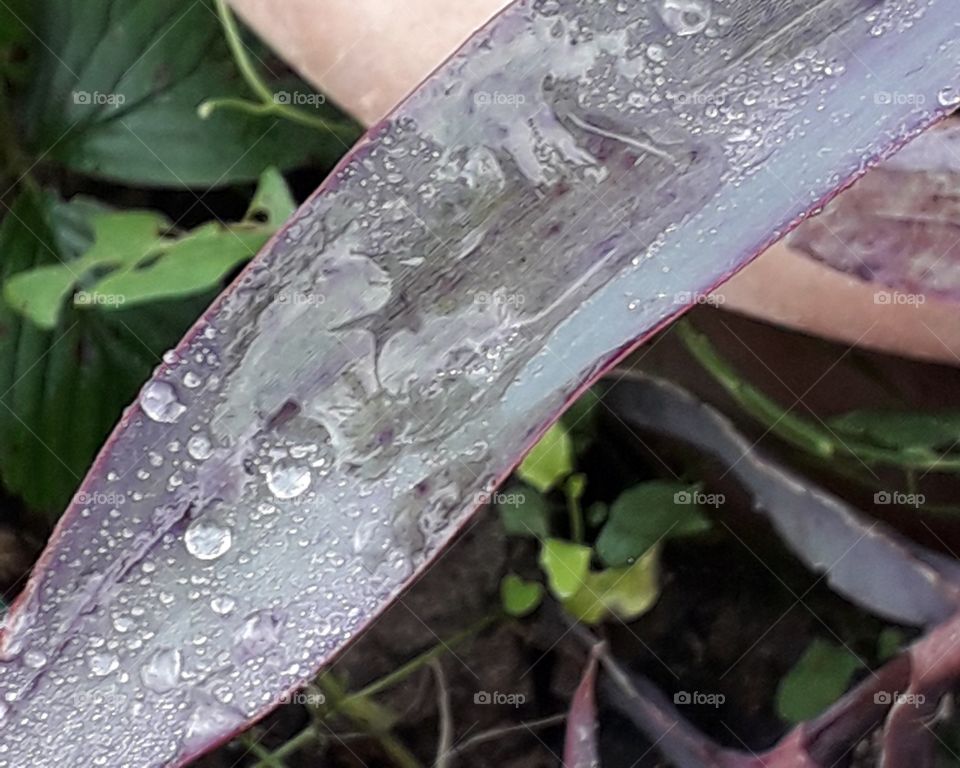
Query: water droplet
column 206, row 540
column 287, row 480
column 34, row 659
column 260, row 633
column 948, row 97
column 207, row 724
column 223, row 604
column 102, row 664
column 685, row 17
column 161, row 673
column 159, row 401
column 199, row 447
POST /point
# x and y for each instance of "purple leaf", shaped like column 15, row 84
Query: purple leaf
column 581, row 749
column 900, row 224
column 861, row 558
column 523, row 220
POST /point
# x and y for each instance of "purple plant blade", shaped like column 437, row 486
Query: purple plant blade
column 530, row 214
column 580, row 748
column 862, row 559
column 900, row 224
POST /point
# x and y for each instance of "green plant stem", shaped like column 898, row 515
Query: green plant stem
column 276, row 758
column 268, row 103
column 373, row 718
column 793, row 429
column 239, row 51
column 360, row 708
column 402, row 673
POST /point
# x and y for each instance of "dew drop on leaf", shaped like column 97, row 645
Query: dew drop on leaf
column 159, row 402
column 206, row 540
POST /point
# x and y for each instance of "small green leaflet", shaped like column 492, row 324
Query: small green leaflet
column 549, row 461
column 519, row 597
column 627, row 593
column 817, row 680
column 566, row 565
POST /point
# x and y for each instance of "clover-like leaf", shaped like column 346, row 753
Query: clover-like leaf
column 520, row 597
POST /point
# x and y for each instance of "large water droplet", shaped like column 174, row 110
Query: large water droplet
column 949, row 97
column 159, row 401
column 102, row 664
column 686, row 17
column 207, row 724
column 259, row 634
column 161, row 673
column 199, row 447
column 206, row 540
column 287, row 480
column 223, row 604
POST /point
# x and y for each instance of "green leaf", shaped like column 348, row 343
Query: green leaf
column 118, row 238
column 817, row 680
column 193, row 264
column 273, row 202
column 132, row 260
column 644, row 515
column 116, row 88
column 519, row 597
column 549, row 461
column 62, row 390
column 524, row 512
column 566, row 565
column 627, row 593
column 15, row 19
column 902, row 430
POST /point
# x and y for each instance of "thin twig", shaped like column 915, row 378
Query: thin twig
column 445, row 740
